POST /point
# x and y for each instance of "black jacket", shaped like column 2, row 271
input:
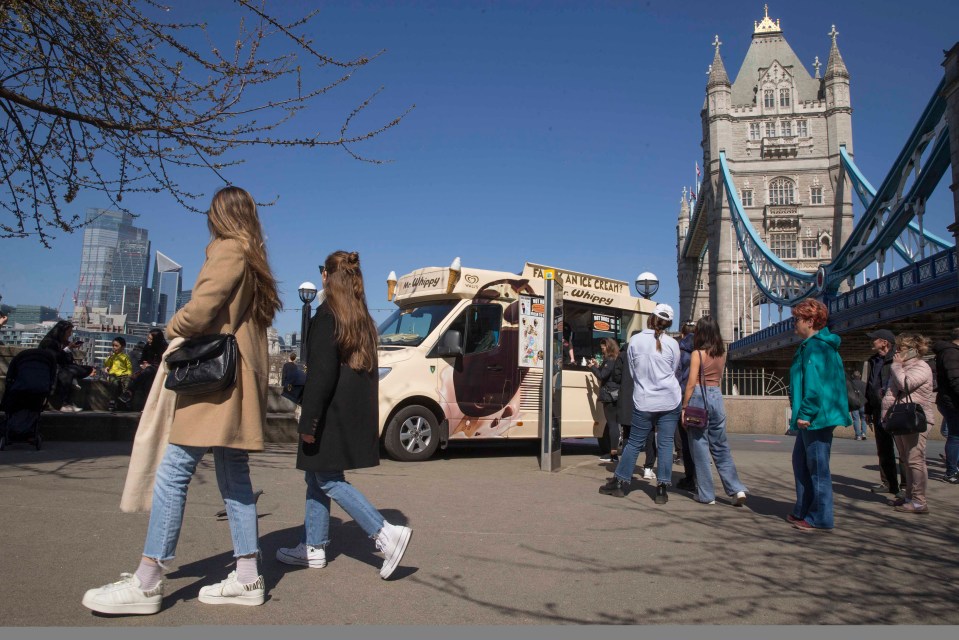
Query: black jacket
column 624, row 408
column 856, row 393
column 685, row 358
column 877, row 379
column 340, row 405
column 947, row 375
column 604, row 373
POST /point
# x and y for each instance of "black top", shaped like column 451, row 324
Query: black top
column 877, row 379
column 624, row 408
column 947, row 376
column 340, row 405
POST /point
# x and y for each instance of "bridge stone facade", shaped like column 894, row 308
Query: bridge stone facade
column 781, row 128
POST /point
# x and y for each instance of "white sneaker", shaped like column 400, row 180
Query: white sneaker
column 230, row 591
column 304, row 555
column 124, row 597
column 392, row 540
column 739, row 499
column 704, row 501
column 69, row 408
column 648, row 474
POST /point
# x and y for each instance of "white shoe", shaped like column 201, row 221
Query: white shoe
column 649, row 474
column 703, row 501
column 124, row 597
column 69, row 408
column 230, row 591
column 739, row 499
column 304, row 555
column 392, row 540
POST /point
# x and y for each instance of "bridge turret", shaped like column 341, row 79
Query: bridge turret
column 835, row 85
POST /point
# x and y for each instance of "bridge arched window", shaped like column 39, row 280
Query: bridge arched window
column 782, row 191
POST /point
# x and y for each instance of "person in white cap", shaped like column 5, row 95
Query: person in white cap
column 654, row 361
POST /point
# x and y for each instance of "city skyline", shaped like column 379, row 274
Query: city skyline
column 536, row 128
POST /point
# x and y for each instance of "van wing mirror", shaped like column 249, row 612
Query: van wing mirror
column 451, row 344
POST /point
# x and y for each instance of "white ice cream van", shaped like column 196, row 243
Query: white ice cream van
column 450, row 355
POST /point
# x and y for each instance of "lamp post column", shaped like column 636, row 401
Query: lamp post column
column 307, row 293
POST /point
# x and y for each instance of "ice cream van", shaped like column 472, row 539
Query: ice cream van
column 458, row 362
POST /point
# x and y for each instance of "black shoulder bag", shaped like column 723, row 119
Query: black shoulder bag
column 904, row 418
column 203, row 365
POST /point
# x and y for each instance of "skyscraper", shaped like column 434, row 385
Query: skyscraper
column 115, row 255
column 167, row 287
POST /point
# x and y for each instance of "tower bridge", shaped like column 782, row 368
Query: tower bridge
column 773, row 221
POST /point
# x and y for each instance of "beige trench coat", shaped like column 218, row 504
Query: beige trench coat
column 221, row 303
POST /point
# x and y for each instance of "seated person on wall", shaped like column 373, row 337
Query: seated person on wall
column 142, row 378
column 118, row 368
column 60, row 341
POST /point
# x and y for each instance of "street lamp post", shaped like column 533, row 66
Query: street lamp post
column 647, row 284
column 307, row 293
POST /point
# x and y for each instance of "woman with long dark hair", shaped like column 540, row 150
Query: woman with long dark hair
column 703, row 391
column 236, row 293
column 339, row 423
column 145, row 373
column 608, row 397
column 59, row 340
column 653, row 358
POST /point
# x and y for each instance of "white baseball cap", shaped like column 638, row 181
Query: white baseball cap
column 663, row 311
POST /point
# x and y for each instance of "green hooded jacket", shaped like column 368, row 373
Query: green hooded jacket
column 817, row 383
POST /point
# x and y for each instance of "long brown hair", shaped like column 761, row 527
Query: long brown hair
column 708, row 337
column 612, row 349
column 356, row 335
column 233, row 216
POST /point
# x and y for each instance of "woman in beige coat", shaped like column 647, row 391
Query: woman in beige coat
column 234, row 293
column 911, row 379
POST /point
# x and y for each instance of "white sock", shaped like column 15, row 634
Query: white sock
column 149, row 574
column 246, row 571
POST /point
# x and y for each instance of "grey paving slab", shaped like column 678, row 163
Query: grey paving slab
column 496, row 542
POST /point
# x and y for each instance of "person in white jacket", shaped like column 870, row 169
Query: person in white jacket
column 911, row 380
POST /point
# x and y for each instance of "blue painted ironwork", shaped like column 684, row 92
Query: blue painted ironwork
column 914, row 240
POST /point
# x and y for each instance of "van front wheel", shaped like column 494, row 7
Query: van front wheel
column 412, row 435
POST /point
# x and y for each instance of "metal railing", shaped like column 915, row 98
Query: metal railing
column 753, row 382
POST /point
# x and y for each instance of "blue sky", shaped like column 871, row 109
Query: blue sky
column 555, row 132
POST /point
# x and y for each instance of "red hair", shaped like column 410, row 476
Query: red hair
column 813, row 311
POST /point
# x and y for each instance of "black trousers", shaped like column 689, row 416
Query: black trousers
column 610, row 438
column 886, row 449
column 688, row 465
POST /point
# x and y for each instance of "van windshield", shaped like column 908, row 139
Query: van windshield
column 409, row 326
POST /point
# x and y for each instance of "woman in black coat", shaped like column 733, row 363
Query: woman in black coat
column 608, row 395
column 339, row 423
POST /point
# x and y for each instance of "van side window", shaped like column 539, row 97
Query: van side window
column 483, row 324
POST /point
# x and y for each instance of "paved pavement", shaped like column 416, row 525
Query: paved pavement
column 495, row 541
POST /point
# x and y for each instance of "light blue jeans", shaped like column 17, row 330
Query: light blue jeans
column 813, row 479
column 320, row 487
column 712, row 440
column 169, row 499
column 643, row 423
column 859, row 422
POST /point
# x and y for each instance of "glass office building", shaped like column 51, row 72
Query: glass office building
column 167, row 287
column 115, row 255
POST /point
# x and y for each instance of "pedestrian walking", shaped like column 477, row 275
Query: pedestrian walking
column 653, row 362
column 856, row 395
column 339, row 423
column 703, row 391
column 236, row 293
column 817, row 392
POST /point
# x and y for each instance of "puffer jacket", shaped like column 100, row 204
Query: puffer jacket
column 917, row 374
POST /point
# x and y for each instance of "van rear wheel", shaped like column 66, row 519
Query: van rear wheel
column 412, row 435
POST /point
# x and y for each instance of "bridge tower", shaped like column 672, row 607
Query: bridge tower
column 781, row 128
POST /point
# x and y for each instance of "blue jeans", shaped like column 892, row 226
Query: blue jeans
column 859, row 422
column 712, row 440
column 169, row 499
column 320, row 487
column 813, row 480
column 643, row 423
column 951, row 428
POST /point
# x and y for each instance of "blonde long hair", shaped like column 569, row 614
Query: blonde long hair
column 233, row 216
column 356, row 335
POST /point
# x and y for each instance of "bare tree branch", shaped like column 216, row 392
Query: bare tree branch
column 110, row 96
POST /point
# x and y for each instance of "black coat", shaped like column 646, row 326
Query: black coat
column 608, row 385
column 947, row 375
column 340, row 405
column 624, row 408
column 877, row 380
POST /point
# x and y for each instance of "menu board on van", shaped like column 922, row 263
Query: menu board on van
column 531, row 331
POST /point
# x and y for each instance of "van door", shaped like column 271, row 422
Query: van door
column 477, row 388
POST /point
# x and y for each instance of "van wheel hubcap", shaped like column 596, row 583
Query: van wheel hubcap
column 415, row 434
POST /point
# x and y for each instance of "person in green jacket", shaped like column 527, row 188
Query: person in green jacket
column 817, row 392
